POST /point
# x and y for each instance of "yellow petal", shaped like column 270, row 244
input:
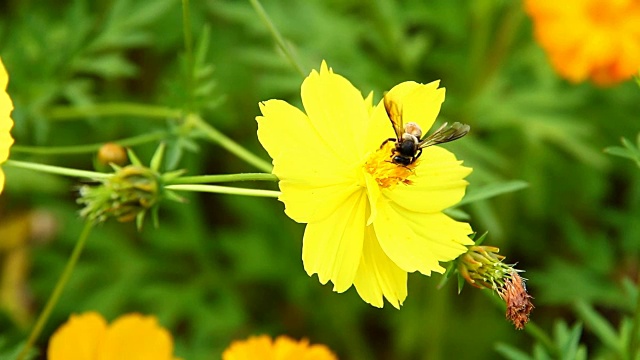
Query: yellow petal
column 288, row 136
column 378, row 276
column 286, row 348
column 313, row 200
column 6, row 123
column 332, row 247
column 379, row 128
column 436, row 185
column 313, row 181
column 418, row 241
column 420, row 102
column 78, row 338
column 5, row 144
column 136, row 337
column 337, row 111
column 252, row 348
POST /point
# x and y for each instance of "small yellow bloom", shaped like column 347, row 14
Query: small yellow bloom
column 283, row 348
column 130, row 337
column 6, row 123
column 369, row 221
column 589, row 39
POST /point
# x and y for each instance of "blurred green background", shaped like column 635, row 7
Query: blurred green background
column 224, row 267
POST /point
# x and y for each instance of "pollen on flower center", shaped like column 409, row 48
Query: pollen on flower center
column 386, row 173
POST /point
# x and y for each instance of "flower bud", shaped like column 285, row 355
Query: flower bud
column 111, row 153
column 132, row 190
column 482, row 267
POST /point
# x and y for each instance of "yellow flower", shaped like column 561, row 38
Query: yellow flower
column 6, row 123
column 589, row 39
column 369, row 221
column 283, row 348
column 130, row 337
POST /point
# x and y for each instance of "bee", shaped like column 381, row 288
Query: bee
column 409, row 141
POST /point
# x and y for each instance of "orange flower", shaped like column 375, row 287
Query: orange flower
column 589, row 39
column 283, row 348
column 130, row 337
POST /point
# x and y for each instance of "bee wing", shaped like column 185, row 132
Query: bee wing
column 444, row 134
column 394, row 111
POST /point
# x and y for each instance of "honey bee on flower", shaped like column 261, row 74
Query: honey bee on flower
column 354, row 194
column 409, row 141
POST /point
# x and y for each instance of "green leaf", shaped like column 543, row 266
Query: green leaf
column 600, row 326
column 511, row 353
column 492, row 190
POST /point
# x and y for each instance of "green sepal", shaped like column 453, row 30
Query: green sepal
column 156, row 160
column 134, row 158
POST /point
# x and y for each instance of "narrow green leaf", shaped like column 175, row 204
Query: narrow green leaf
column 511, row 353
column 492, row 190
column 620, row 151
column 600, row 326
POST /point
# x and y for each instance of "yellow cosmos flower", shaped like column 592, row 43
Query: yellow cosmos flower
column 130, row 337
column 589, row 39
column 6, row 123
column 283, row 348
column 369, row 221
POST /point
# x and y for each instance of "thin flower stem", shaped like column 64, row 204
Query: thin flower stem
column 230, row 145
column 188, row 49
column 57, row 291
column 64, row 113
column 89, row 148
column 203, row 179
column 56, row 170
column 286, row 49
column 225, row 190
column 634, row 345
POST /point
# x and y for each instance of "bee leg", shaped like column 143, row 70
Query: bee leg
column 386, row 141
column 417, row 155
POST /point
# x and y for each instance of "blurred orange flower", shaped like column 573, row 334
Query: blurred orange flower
column 130, row 337
column 283, row 348
column 589, row 39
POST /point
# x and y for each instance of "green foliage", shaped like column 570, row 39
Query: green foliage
column 630, row 150
column 220, row 268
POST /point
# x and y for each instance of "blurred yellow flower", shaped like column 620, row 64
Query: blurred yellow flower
column 130, row 337
column 589, row 39
column 6, row 123
column 370, row 221
column 283, row 348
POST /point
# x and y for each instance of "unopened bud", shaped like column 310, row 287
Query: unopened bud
column 130, row 191
column 111, row 153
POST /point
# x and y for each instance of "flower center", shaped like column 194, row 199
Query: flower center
column 387, row 173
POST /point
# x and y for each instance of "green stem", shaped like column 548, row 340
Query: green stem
column 89, row 148
column 634, row 341
column 57, row 291
column 277, row 36
column 188, row 48
column 225, row 190
column 56, row 170
column 230, row 145
column 113, row 109
column 203, row 179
